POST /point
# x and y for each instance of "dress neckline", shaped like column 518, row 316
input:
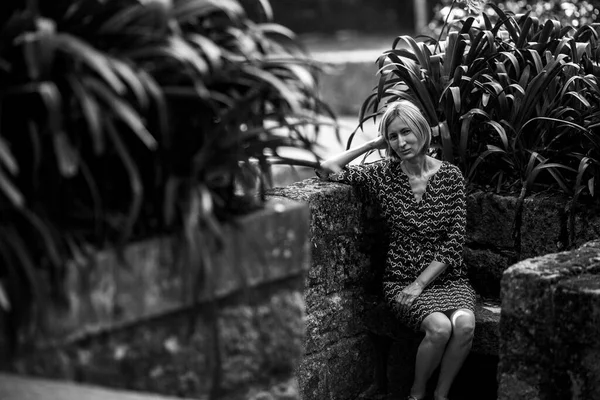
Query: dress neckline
column 427, row 184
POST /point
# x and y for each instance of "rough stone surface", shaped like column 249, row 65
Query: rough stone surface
column 549, row 327
column 489, row 220
column 343, row 293
column 485, row 268
column 340, row 372
column 256, row 336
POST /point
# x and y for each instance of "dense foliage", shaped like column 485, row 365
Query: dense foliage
column 515, row 102
column 124, row 118
column 573, row 13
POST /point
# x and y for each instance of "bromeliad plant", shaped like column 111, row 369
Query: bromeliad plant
column 515, row 103
column 120, row 119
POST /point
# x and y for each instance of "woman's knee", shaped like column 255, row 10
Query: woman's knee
column 463, row 324
column 438, row 328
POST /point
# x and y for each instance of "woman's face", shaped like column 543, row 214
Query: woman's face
column 402, row 140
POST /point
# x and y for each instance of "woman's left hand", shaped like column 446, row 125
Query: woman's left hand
column 406, row 297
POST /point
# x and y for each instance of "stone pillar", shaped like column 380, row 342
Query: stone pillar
column 550, row 327
column 345, row 233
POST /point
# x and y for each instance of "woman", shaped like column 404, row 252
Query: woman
column 423, row 202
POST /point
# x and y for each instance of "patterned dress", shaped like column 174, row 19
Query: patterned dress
column 421, row 231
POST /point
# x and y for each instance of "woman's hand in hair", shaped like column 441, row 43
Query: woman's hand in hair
column 378, row 143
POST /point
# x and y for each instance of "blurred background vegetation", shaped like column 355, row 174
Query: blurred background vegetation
column 126, row 119
column 123, row 119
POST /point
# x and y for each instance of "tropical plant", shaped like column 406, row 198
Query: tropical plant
column 121, row 119
column 574, row 13
column 514, row 102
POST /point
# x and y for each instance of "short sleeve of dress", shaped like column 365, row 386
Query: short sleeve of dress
column 450, row 251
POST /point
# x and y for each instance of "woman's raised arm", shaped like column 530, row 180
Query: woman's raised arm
column 339, row 161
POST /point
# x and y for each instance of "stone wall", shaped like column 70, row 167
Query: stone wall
column 142, row 326
column 348, row 246
column 550, row 327
column 344, row 234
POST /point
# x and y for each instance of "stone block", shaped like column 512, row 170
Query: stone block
column 489, row 220
column 338, row 262
column 586, row 225
column 549, row 326
column 268, row 245
column 341, row 372
column 485, row 268
column 333, row 317
column 542, row 227
column 262, row 340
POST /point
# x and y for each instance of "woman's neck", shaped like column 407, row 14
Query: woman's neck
column 416, row 166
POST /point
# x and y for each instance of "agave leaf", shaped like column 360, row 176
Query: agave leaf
column 211, row 51
column 513, row 61
column 267, row 10
column 585, row 32
column 552, row 169
column 490, row 150
column 478, row 46
column 507, row 21
column 122, row 110
column 7, row 159
column 524, row 79
column 584, row 163
column 66, row 155
column 91, row 57
column 446, row 141
column 499, row 129
column 50, row 242
column 415, row 84
column 580, row 98
column 537, row 61
column 4, row 302
column 527, row 24
column 280, row 88
column 11, row 191
column 91, row 112
column 161, row 110
column 456, row 98
column 131, row 78
column 564, row 47
column 417, row 49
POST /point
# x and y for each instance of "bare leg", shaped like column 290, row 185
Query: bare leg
column 463, row 326
column 437, row 328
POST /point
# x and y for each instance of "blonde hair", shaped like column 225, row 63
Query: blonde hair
column 412, row 117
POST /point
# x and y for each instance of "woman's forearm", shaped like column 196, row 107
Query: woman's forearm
column 339, row 161
column 430, row 273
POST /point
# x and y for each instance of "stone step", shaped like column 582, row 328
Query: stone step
column 13, row 387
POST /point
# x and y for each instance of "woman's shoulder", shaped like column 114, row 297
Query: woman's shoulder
column 450, row 169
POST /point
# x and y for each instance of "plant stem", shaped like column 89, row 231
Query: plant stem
column 444, row 26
